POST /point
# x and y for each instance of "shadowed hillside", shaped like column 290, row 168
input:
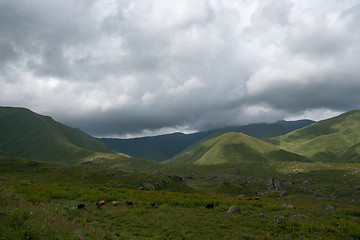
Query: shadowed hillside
column 232, row 148
column 163, row 147
column 30, row 135
column 333, row 140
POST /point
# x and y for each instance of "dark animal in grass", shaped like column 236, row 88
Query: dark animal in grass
column 210, row 206
column 81, row 206
column 257, row 198
column 129, row 203
column 153, row 205
column 100, row 203
column 250, row 199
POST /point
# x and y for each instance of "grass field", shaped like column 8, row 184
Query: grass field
column 39, row 201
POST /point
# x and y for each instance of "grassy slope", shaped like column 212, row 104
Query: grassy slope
column 163, row 147
column 326, row 140
column 27, row 134
column 235, row 147
column 39, row 202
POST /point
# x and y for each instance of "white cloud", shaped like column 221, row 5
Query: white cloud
column 139, row 67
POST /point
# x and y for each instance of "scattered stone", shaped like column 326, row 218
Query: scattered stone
column 149, row 186
column 227, row 195
column 299, row 217
column 240, row 196
column 226, row 183
column 33, row 163
column 285, row 205
column 157, row 172
column 278, row 219
column 191, row 176
column 236, row 172
column 298, row 170
column 329, row 208
column 308, row 182
column 84, row 177
column 304, row 189
column 274, row 184
column 262, row 215
column 288, row 182
column 141, row 188
column 176, row 178
column 283, row 194
column 233, row 209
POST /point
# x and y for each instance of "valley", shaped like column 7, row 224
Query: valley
column 280, row 190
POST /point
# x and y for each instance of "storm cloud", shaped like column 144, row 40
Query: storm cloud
column 143, row 67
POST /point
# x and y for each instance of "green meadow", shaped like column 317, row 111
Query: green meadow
column 39, row 201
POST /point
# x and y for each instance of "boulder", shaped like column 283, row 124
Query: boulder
column 176, row 178
column 275, row 184
column 277, row 219
column 261, row 215
column 233, row 209
column 299, row 217
column 285, row 205
column 149, row 186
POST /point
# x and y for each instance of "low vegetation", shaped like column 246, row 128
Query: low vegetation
column 39, row 200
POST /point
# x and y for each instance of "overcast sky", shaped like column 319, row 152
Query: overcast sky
column 142, row 67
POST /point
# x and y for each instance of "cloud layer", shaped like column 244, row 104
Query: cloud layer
column 125, row 68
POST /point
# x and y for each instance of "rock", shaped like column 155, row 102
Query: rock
column 157, row 172
column 236, row 172
column 299, row 217
column 233, row 209
column 277, row 219
column 288, row 182
column 149, row 186
column 84, row 177
column 285, row 205
column 141, row 188
column 329, row 208
column 33, row 163
column 227, row 195
column 298, row 170
column 191, row 176
column 226, row 183
column 261, row 215
column 32, row 181
column 283, row 194
column 308, row 182
column 274, row 184
column 176, row 178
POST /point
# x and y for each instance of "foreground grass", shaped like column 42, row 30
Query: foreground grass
column 42, row 204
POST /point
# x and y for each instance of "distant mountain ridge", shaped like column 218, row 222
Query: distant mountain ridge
column 332, row 140
column 24, row 133
column 163, row 147
column 234, row 148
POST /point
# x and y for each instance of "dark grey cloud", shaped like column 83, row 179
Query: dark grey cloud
column 122, row 68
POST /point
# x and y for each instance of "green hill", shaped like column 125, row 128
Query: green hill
column 24, row 133
column 332, row 140
column 162, row 147
column 232, row 148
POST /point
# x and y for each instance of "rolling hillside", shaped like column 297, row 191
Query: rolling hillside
column 163, row 147
column 232, row 148
column 24, row 133
column 333, row 140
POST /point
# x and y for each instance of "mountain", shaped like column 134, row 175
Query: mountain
column 24, row 133
column 163, row 147
column 233, row 148
column 333, row 140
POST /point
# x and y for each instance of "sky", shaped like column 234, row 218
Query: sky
column 119, row 68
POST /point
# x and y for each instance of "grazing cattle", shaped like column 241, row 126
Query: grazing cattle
column 250, row 199
column 210, row 206
column 100, row 203
column 129, row 203
column 81, row 206
column 257, row 198
column 115, row 203
column 153, row 205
